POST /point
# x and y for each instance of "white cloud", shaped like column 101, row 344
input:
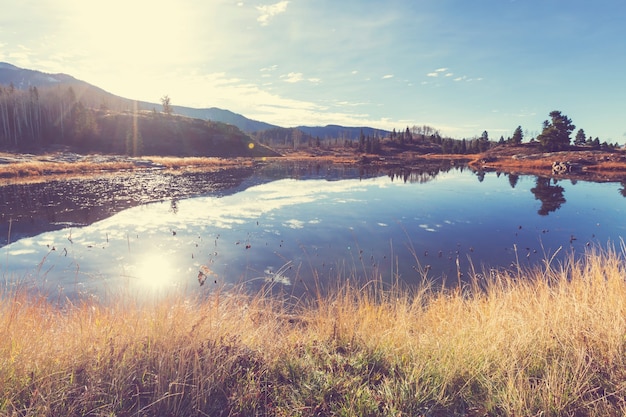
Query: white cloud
column 293, row 77
column 345, row 103
column 296, row 77
column 270, row 10
column 438, row 71
column 386, row 77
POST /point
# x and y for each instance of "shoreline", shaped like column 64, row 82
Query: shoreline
column 588, row 165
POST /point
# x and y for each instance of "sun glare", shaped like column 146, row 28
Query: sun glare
column 137, row 37
column 154, row 273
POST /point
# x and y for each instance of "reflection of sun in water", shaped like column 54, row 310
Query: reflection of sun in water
column 154, row 272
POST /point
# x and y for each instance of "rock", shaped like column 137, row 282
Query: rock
column 560, row 168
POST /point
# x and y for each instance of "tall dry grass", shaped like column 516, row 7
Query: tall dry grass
column 547, row 342
column 46, row 168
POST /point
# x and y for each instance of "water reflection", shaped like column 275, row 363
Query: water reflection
column 300, row 227
column 551, row 196
column 30, row 209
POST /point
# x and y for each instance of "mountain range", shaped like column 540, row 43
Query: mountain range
column 23, row 79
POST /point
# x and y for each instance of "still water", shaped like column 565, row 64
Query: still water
column 292, row 229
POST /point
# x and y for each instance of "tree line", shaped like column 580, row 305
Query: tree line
column 37, row 117
column 555, row 136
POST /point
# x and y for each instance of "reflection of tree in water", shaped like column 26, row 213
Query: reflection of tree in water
column 174, row 206
column 420, row 175
column 551, row 196
column 513, row 180
column 622, row 190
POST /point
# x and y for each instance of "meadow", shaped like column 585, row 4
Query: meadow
column 548, row 341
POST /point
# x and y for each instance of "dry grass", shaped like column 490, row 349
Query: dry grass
column 544, row 342
column 198, row 162
column 40, row 168
column 45, row 168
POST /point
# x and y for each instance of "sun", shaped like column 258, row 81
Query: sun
column 137, row 37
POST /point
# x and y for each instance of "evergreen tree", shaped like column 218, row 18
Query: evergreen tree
column 517, row 136
column 596, row 143
column 580, row 138
column 361, row 142
column 556, row 133
column 483, row 142
column 376, row 145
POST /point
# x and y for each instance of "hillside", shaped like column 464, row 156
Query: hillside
column 95, row 97
column 38, row 111
column 150, row 133
column 36, row 120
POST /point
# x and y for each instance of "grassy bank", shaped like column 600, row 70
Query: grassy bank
column 545, row 342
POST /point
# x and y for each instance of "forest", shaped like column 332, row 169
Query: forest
column 38, row 119
column 81, row 117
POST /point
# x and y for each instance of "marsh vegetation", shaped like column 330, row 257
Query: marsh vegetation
column 547, row 341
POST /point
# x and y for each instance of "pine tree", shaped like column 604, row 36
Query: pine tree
column 556, row 133
column 580, row 138
column 517, row 136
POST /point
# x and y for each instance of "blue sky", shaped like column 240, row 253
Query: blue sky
column 461, row 66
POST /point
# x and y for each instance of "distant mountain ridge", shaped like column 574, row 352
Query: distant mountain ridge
column 23, row 79
column 342, row 132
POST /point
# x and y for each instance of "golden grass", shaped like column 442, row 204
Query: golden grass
column 198, row 162
column 544, row 342
column 43, row 169
column 38, row 168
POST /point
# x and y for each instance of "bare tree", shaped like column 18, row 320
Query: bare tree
column 167, row 105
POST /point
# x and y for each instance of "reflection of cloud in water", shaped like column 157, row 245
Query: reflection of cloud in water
column 382, row 224
column 18, row 252
column 427, row 228
column 294, row 224
column 226, row 212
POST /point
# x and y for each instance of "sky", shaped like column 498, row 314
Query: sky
column 460, row 66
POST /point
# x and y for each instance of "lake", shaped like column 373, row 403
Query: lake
column 292, row 229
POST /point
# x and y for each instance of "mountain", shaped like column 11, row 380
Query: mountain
column 224, row 116
column 95, row 97
column 24, row 78
column 342, row 132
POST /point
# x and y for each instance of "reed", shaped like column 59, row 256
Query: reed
column 548, row 341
